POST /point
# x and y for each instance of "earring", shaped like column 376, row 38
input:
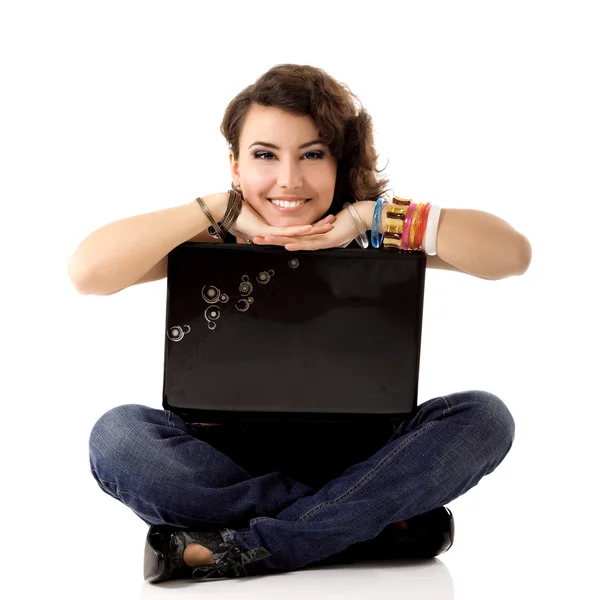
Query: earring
column 237, row 188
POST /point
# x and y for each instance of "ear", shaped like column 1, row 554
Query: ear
column 234, row 168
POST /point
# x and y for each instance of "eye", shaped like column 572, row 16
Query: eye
column 316, row 154
column 263, row 155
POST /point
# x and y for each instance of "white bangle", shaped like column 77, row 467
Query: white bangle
column 430, row 238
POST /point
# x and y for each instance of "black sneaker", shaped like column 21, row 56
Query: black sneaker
column 163, row 555
column 426, row 536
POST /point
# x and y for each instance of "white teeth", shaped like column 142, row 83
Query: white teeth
column 287, row 204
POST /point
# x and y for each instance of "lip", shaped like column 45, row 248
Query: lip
column 289, row 209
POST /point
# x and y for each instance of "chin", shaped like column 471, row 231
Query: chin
column 306, row 217
column 287, row 221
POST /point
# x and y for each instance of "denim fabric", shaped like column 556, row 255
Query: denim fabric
column 297, row 493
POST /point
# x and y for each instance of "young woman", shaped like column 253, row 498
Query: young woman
column 227, row 500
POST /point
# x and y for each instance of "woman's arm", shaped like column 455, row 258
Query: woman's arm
column 482, row 244
column 475, row 242
column 123, row 252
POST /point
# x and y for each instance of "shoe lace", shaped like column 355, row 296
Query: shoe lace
column 227, row 563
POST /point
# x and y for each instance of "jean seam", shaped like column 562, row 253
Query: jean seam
column 449, row 406
column 368, row 476
column 256, row 519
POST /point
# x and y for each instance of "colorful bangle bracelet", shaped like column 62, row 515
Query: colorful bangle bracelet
column 409, row 226
column 376, row 236
column 421, row 226
column 415, row 223
column 407, row 223
column 404, row 225
column 394, row 223
column 433, row 221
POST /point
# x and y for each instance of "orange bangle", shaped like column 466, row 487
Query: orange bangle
column 414, row 225
column 422, row 226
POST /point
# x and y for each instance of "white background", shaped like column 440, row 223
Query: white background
column 112, row 109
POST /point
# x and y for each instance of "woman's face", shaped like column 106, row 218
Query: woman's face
column 280, row 156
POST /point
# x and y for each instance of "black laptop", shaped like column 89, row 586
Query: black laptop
column 260, row 333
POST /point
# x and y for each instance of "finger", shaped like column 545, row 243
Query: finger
column 297, row 230
column 320, row 228
column 289, row 230
column 327, row 219
column 273, row 240
column 303, row 243
column 259, row 239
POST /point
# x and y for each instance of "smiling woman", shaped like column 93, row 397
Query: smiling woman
column 230, row 500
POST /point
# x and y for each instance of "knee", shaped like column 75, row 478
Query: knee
column 490, row 420
column 496, row 423
column 114, row 432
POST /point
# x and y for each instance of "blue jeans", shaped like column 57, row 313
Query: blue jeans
column 294, row 494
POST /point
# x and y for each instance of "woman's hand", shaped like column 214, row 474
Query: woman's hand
column 341, row 234
column 250, row 225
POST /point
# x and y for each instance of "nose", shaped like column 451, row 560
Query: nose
column 289, row 174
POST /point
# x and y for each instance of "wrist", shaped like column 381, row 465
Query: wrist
column 365, row 210
column 217, row 205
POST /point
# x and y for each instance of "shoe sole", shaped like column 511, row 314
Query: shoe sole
column 439, row 522
column 156, row 553
column 439, row 537
column 449, row 534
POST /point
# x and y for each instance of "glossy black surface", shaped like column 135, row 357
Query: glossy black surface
column 337, row 338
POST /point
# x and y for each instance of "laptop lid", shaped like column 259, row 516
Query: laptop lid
column 260, row 333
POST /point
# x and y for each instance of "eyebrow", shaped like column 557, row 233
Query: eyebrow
column 268, row 145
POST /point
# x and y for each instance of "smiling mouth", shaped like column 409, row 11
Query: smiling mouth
column 285, row 206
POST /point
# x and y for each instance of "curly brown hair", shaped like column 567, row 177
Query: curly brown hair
column 343, row 125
